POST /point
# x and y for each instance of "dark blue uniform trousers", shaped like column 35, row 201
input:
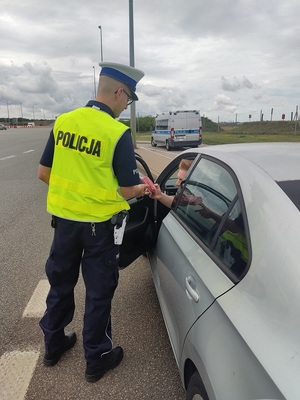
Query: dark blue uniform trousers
column 92, row 247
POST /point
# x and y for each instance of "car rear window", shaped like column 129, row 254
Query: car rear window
column 292, row 190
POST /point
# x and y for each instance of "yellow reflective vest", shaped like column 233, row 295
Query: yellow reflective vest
column 82, row 184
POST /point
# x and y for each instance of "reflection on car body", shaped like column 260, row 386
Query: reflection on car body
column 225, row 264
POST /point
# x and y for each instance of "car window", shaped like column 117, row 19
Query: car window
column 207, row 193
column 168, row 184
column 209, row 205
column 231, row 245
column 292, row 189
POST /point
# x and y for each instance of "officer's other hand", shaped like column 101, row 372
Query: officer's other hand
column 133, row 191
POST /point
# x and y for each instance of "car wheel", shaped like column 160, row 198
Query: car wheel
column 153, row 144
column 168, row 146
column 195, row 389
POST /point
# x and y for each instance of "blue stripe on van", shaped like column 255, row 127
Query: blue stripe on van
column 177, row 131
column 164, row 132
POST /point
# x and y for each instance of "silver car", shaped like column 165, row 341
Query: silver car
column 226, row 267
column 3, row 127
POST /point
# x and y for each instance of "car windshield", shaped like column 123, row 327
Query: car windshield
column 292, row 190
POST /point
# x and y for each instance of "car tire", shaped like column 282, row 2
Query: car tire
column 195, row 389
column 168, row 146
column 153, row 144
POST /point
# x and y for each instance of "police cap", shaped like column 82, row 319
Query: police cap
column 130, row 76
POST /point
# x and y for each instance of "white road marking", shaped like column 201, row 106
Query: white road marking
column 6, row 158
column 12, row 156
column 17, row 367
column 16, row 370
column 162, row 155
column 37, row 304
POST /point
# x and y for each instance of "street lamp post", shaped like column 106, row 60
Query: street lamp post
column 101, row 47
column 8, row 117
column 94, row 82
column 21, row 114
column 131, row 57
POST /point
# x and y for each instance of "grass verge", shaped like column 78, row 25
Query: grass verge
column 230, row 137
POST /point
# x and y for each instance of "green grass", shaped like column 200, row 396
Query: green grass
column 229, row 137
column 143, row 136
column 248, row 132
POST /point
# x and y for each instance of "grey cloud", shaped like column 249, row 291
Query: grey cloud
column 183, row 48
column 235, row 84
column 36, row 85
column 246, row 83
column 164, row 98
column 224, row 103
column 36, row 78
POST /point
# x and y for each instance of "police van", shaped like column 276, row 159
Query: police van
column 177, row 129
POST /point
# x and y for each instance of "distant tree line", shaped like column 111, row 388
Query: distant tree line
column 24, row 121
column 146, row 124
column 143, row 124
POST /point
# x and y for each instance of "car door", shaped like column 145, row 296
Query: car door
column 189, row 272
column 188, row 264
column 140, row 233
column 145, row 214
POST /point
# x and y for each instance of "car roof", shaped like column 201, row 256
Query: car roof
column 280, row 160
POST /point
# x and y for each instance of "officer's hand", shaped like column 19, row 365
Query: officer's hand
column 133, row 191
column 142, row 190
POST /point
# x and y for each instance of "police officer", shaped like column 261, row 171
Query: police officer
column 89, row 165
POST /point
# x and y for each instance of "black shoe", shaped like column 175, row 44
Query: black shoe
column 68, row 342
column 108, row 362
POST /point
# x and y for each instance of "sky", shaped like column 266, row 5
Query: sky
column 234, row 60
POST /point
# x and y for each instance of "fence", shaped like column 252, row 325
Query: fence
column 257, row 115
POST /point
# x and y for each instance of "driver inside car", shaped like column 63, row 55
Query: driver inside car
column 166, row 199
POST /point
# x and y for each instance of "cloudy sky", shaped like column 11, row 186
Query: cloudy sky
column 228, row 58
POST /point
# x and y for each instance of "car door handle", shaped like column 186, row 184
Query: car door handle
column 190, row 291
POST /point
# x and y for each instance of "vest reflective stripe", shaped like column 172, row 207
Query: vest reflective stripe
column 84, row 188
column 91, row 209
column 82, row 184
